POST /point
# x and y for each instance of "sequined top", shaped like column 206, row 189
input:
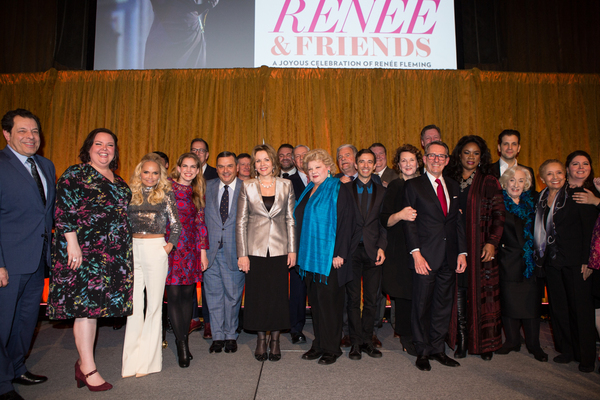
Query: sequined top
column 153, row 219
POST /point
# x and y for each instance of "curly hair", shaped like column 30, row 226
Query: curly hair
column 84, row 152
column 318, row 155
column 157, row 194
column 455, row 167
column 408, row 148
column 589, row 181
column 510, row 173
column 272, row 155
column 198, row 184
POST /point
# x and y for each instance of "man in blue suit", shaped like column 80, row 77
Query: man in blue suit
column 223, row 281
column 27, row 194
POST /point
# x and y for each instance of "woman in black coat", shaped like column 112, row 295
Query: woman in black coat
column 397, row 276
column 520, row 288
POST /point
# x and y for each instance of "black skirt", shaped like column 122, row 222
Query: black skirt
column 266, row 305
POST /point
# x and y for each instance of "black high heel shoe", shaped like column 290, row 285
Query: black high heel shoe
column 261, row 347
column 183, row 354
column 275, row 350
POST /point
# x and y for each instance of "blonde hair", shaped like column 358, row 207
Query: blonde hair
column 271, row 153
column 157, row 194
column 198, row 184
column 510, row 173
column 318, row 155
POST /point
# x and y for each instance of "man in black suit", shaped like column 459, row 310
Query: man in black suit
column 367, row 258
column 381, row 169
column 285, row 153
column 27, row 195
column 436, row 239
column 199, row 147
column 509, row 146
column 299, row 153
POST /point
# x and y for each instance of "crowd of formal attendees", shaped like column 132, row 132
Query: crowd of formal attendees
column 462, row 246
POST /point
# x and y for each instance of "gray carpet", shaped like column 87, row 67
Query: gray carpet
column 240, row 376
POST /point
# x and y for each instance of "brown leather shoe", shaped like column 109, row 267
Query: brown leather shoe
column 376, row 342
column 207, row 331
column 195, row 325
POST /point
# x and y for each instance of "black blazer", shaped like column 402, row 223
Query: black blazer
column 439, row 238
column 510, row 251
column 496, row 172
column 210, row 173
column 297, row 184
column 374, row 235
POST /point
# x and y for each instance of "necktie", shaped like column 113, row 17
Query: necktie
column 286, row 175
column 224, row 208
column 442, row 197
column 37, row 179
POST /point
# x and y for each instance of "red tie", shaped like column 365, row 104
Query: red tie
column 442, row 197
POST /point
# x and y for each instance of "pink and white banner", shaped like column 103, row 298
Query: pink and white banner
column 399, row 34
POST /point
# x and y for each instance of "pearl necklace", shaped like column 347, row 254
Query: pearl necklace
column 266, row 186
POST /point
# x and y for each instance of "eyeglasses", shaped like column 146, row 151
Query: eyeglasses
column 201, row 151
column 432, row 157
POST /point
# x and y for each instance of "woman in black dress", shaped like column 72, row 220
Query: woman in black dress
column 397, row 276
column 266, row 248
column 520, row 288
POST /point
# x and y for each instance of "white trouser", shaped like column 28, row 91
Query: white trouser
column 142, row 350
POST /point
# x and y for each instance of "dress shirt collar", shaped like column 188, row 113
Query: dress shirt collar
column 504, row 166
column 231, row 185
column 290, row 172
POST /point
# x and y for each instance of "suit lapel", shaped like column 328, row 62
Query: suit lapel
column 278, row 201
column 16, row 163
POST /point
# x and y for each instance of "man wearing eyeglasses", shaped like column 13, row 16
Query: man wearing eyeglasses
column 199, row 147
column 438, row 247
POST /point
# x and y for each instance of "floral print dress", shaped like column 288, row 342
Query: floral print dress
column 184, row 260
column 95, row 208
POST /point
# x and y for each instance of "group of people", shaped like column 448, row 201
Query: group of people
column 462, row 246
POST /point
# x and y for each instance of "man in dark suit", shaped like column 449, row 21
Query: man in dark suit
column 381, row 169
column 285, row 153
column 290, row 170
column 223, row 281
column 199, row 147
column 370, row 241
column 436, row 239
column 27, row 195
column 509, row 146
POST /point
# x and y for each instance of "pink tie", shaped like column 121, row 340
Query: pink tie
column 442, row 196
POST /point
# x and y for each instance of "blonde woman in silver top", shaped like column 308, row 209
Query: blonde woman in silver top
column 152, row 207
column 266, row 248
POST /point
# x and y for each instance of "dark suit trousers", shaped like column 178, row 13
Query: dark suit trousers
column 432, row 309
column 19, row 308
column 572, row 311
column 297, row 302
column 327, row 304
column 365, row 270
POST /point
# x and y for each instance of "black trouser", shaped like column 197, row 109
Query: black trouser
column 403, row 326
column 432, row 309
column 365, row 270
column 572, row 310
column 327, row 304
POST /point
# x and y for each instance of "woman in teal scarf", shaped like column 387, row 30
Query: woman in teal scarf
column 324, row 225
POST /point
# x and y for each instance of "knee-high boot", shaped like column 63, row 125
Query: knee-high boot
column 461, row 336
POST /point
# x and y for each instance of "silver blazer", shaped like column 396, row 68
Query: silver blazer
column 258, row 230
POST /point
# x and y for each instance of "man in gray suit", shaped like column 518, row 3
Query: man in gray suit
column 223, row 281
column 27, row 196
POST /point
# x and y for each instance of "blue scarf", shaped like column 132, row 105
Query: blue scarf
column 319, row 224
column 525, row 211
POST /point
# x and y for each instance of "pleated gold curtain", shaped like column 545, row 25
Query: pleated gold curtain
column 235, row 109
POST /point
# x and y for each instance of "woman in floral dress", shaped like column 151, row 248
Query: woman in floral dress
column 92, row 254
column 188, row 259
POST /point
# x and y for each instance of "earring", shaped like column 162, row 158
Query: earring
column 329, row 173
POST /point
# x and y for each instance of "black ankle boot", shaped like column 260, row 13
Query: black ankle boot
column 461, row 335
column 183, row 353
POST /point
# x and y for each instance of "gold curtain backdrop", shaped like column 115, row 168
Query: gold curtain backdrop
column 235, row 109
